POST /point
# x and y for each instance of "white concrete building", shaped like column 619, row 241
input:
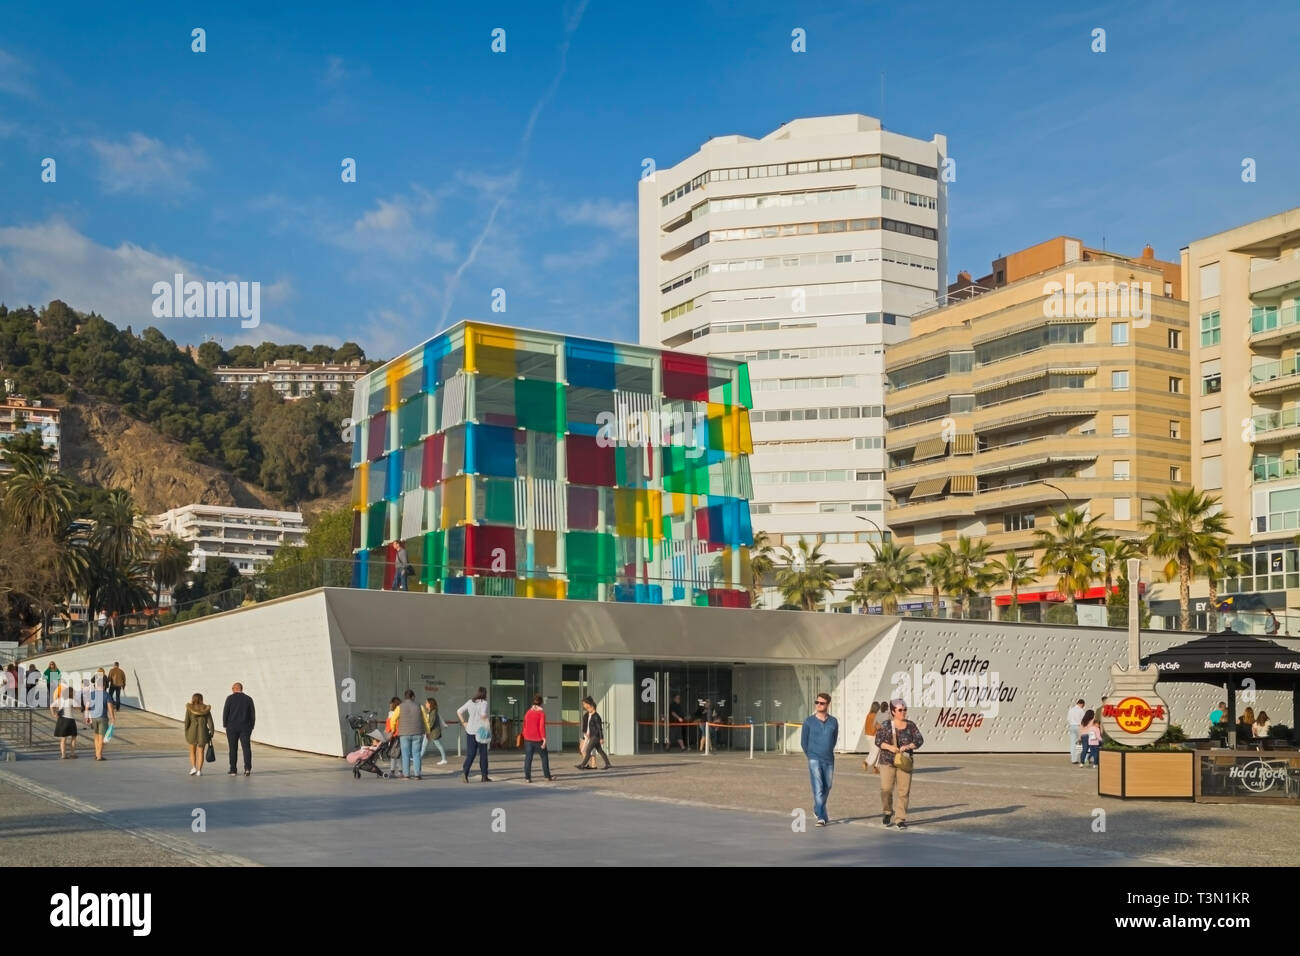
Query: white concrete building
column 293, row 380
column 248, row 537
column 802, row 253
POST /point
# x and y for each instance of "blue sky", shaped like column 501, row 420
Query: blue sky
column 518, row 170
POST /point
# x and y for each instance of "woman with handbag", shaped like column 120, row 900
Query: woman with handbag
column 433, row 724
column 897, row 738
column 199, row 731
column 65, row 724
column 473, row 716
column 593, row 735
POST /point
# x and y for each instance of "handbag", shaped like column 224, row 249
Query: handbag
column 211, row 755
column 903, row 759
column 519, row 742
column 108, row 734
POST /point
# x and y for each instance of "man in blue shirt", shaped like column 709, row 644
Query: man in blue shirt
column 820, row 732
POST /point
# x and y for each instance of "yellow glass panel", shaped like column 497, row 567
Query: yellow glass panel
column 359, row 484
column 745, row 439
column 457, row 502
column 490, row 351
column 396, row 372
column 544, row 588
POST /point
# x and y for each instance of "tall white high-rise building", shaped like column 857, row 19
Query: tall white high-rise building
column 803, row 253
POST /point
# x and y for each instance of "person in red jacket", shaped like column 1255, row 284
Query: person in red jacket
column 535, row 739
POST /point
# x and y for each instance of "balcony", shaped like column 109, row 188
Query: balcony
column 1276, row 426
column 1271, row 469
column 1278, row 277
column 1274, row 325
column 1275, row 378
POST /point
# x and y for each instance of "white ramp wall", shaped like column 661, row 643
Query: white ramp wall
column 279, row 650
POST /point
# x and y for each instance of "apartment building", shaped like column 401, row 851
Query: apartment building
column 293, row 380
column 1059, row 379
column 802, row 253
column 19, row 415
column 1243, row 293
column 247, row 537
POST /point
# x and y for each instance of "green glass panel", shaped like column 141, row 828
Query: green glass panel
column 701, row 599
column 590, row 555
column 583, row 590
column 435, row 557
column 539, row 406
column 499, row 501
column 376, row 524
column 410, row 419
column 746, row 393
column 620, row 466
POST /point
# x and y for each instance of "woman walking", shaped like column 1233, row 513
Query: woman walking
column 593, row 735
column 896, row 737
column 535, row 740
column 473, row 716
column 199, row 731
column 433, row 729
column 1089, row 729
column 65, row 721
column 869, row 728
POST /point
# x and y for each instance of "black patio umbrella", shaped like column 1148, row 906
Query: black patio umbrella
column 1226, row 659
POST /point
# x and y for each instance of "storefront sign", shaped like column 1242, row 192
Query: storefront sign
column 1133, row 713
column 1249, row 775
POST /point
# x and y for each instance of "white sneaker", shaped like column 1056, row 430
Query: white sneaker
column 193, row 771
column 198, row 773
column 441, row 762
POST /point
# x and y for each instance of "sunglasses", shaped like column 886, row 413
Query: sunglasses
column 823, row 703
column 900, row 710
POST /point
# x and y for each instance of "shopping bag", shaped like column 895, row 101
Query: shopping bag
column 211, row 756
column 108, row 734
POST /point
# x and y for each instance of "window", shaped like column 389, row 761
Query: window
column 761, row 509
column 1209, row 280
column 1175, row 473
column 1018, row 521
column 861, row 443
column 1175, row 385
column 1175, row 428
column 1119, row 470
column 1175, row 339
column 1211, row 377
column 833, row 507
column 871, row 476
column 1119, row 381
column 1119, row 426
column 1211, row 424
column 1211, row 473
column 1210, row 330
column 1119, row 333
column 1122, row 509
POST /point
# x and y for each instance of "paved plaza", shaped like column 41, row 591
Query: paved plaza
column 140, row 807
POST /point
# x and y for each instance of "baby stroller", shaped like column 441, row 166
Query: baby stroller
column 362, row 725
column 379, row 748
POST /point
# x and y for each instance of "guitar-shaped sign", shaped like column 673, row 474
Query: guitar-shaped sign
column 1134, row 714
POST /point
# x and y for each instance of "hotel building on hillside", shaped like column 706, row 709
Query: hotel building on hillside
column 1060, row 378
column 247, row 537
column 802, row 253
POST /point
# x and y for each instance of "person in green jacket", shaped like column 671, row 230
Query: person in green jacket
column 52, row 676
column 199, row 731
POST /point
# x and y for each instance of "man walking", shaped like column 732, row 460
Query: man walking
column 116, row 684
column 410, row 730
column 100, row 714
column 818, row 738
column 402, row 567
column 238, row 718
column 1073, row 718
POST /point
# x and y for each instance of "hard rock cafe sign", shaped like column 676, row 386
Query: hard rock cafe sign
column 1134, row 714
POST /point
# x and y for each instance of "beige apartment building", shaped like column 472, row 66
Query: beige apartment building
column 1060, row 378
column 1243, row 292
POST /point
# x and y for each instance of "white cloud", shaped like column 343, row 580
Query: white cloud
column 55, row 261
column 617, row 217
column 399, row 227
column 142, row 164
column 13, row 76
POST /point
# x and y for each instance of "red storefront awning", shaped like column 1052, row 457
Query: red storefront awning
column 1056, row 597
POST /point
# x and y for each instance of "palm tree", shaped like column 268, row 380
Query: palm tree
column 36, row 497
column 171, row 559
column 1215, row 566
column 807, row 576
column 1068, row 551
column 1114, row 559
column 1014, row 571
column 760, row 564
column 934, row 567
column 892, row 575
column 120, row 534
column 968, row 574
column 1185, row 526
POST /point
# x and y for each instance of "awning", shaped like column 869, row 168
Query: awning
column 929, row 488
column 1014, row 380
column 963, row 484
column 930, row 448
column 1030, row 416
column 963, row 444
column 1013, row 466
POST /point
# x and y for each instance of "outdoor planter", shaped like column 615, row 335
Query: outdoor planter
column 1146, row 773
